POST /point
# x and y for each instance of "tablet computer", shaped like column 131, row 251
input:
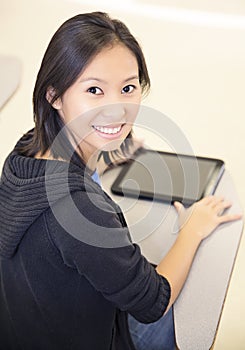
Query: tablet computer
column 168, row 177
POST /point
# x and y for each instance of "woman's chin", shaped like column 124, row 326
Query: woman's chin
column 112, row 146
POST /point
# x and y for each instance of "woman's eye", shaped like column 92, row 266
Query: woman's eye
column 128, row 89
column 95, row 90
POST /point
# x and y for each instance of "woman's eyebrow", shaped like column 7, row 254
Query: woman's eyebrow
column 92, row 78
column 133, row 77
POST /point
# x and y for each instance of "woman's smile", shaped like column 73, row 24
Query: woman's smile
column 109, row 131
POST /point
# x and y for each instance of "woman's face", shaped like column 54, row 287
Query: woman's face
column 101, row 106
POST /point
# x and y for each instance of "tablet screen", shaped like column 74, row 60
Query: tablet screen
column 168, row 177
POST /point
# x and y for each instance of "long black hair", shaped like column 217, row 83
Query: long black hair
column 70, row 50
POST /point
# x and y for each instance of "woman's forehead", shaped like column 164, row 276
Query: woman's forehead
column 116, row 59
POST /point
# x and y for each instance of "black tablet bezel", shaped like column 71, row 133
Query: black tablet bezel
column 210, row 187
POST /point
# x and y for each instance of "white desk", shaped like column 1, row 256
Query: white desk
column 10, row 69
column 198, row 308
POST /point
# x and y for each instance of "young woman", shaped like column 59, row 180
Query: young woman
column 70, row 275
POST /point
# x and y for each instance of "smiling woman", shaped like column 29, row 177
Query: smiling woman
column 101, row 105
column 73, row 72
column 71, row 278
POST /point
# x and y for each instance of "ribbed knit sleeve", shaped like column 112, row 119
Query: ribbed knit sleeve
column 117, row 270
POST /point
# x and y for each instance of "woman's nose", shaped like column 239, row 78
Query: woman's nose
column 114, row 112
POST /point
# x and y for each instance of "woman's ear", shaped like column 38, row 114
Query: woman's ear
column 50, row 94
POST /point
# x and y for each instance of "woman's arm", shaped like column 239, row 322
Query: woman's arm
column 197, row 223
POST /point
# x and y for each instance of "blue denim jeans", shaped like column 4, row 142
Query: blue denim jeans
column 154, row 336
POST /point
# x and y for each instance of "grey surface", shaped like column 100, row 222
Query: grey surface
column 10, row 69
column 154, row 227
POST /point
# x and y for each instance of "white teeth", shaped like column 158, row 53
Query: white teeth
column 107, row 130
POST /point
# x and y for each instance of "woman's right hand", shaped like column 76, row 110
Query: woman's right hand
column 196, row 223
column 204, row 216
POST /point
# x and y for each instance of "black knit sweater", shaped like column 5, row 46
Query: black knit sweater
column 69, row 273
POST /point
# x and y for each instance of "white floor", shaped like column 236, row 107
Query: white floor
column 196, row 58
